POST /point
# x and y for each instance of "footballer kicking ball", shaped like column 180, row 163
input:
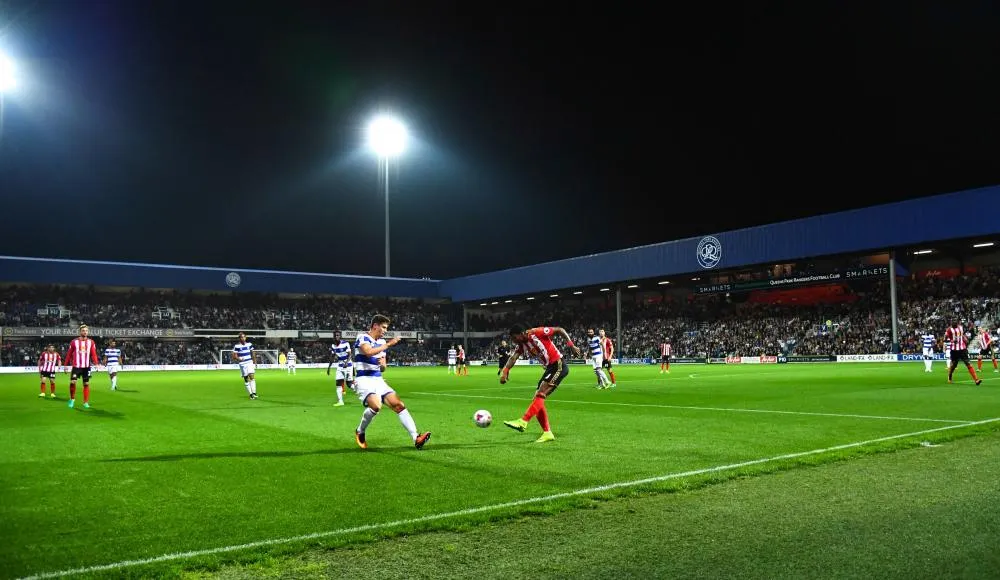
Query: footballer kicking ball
column 483, row 418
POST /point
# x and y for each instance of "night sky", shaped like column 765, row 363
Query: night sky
column 227, row 134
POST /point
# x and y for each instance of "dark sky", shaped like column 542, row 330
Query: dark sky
column 231, row 133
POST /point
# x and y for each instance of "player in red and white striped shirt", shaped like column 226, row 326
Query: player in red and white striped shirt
column 665, row 352
column 81, row 354
column 986, row 347
column 537, row 343
column 959, row 350
column 47, row 365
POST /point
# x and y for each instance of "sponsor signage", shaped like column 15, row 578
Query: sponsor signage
column 866, row 358
column 808, row 359
column 751, row 360
column 920, row 357
column 390, row 334
column 98, row 332
column 795, row 281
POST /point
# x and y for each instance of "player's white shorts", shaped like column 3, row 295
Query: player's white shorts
column 372, row 386
column 113, row 368
column 929, row 352
column 291, row 363
column 597, row 360
column 452, row 362
column 345, row 373
column 247, row 368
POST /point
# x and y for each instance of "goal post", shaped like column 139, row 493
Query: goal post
column 264, row 356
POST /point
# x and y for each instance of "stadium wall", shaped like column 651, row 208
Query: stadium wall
column 880, row 227
column 18, row 270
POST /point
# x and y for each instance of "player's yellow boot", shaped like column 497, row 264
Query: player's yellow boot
column 517, row 424
column 546, row 436
column 42, row 396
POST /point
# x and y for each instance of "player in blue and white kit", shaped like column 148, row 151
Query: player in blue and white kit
column 244, row 354
column 928, row 341
column 595, row 350
column 290, row 361
column 112, row 362
column 340, row 354
column 453, row 360
column 373, row 391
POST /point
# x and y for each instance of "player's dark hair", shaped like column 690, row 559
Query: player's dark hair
column 514, row 331
column 380, row 319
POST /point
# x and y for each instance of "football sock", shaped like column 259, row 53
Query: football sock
column 114, row 382
column 927, row 364
column 668, row 366
column 994, row 363
column 979, row 364
column 52, row 387
column 612, row 373
column 537, row 404
column 408, row 424
column 43, row 387
column 246, row 385
column 253, row 386
column 543, row 417
column 86, row 393
column 366, row 418
column 72, row 389
column 973, row 373
column 340, row 394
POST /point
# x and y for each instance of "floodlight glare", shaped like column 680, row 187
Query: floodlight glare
column 6, row 74
column 387, row 136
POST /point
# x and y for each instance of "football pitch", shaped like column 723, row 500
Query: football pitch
column 179, row 471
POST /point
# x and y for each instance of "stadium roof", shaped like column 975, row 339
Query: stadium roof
column 877, row 228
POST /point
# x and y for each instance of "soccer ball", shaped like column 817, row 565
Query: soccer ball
column 483, row 418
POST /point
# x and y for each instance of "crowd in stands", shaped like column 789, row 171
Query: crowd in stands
column 704, row 325
column 54, row 306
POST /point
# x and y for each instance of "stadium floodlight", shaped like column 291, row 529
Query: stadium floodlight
column 8, row 79
column 387, row 138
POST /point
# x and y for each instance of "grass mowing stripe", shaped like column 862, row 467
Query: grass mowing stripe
column 470, row 511
column 692, row 408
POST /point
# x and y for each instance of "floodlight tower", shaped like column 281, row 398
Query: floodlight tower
column 7, row 83
column 387, row 138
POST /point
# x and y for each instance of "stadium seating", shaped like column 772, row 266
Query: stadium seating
column 824, row 319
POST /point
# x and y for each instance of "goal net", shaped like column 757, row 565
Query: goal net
column 264, row 357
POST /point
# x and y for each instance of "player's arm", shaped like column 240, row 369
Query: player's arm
column 569, row 341
column 329, row 366
column 69, row 355
column 369, row 350
column 511, row 359
column 253, row 355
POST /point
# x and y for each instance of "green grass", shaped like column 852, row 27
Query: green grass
column 181, row 462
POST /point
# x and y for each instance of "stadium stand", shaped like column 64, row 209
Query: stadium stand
column 825, row 319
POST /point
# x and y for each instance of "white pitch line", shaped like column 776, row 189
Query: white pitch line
column 487, row 508
column 693, row 408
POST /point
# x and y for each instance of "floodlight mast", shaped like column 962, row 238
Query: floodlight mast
column 8, row 81
column 387, row 139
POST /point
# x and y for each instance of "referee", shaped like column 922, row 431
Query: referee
column 503, row 354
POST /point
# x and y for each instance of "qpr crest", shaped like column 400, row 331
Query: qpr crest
column 709, row 252
column 233, row 279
